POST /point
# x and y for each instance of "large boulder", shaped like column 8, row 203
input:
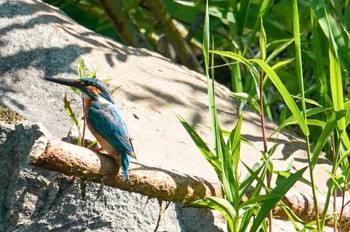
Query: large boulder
column 37, row 41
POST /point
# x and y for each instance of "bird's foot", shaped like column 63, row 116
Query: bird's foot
column 98, row 150
column 83, row 188
column 100, row 190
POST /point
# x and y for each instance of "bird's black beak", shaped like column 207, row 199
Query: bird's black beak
column 68, row 82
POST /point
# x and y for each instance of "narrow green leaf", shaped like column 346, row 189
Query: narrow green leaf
column 285, row 95
column 115, row 89
column 279, row 49
column 344, row 156
column 264, row 9
column 320, row 72
column 291, row 120
column 253, row 174
column 69, row 110
column 221, row 205
column 242, row 16
column 261, row 198
column 201, row 145
column 234, row 56
column 298, row 61
column 325, row 134
column 262, row 40
column 247, row 97
column 92, row 74
column 281, row 64
column 81, row 69
column 234, row 143
column 71, row 114
column 278, row 193
column 288, row 164
column 231, row 158
column 320, row 9
column 336, row 79
column 206, row 37
column 236, row 77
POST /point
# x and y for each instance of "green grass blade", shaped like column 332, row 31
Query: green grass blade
column 298, row 61
column 336, row 80
column 328, row 24
column 234, row 144
column 253, row 175
column 236, row 78
column 231, row 158
column 234, row 56
column 206, row 39
column 325, row 134
column 71, row 114
column 262, row 40
column 320, row 72
column 92, row 74
column 221, row 205
column 281, row 64
column 279, row 49
column 201, row 145
column 285, row 95
column 214, row 124
column 81, row 68
column 247, row 97
column 291, row 120
column 278, row 192
column 264, row 9
column 242, row 16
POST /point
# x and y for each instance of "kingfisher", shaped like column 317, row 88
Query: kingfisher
column 103, row 119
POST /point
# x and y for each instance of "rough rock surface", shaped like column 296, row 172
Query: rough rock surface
column 35, row 199
column 38, row 41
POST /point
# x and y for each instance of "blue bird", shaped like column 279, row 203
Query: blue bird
column 103, row 119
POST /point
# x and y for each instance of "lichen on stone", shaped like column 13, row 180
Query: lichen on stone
column 10, row 116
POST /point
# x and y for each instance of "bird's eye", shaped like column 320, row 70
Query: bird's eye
column 82, row 83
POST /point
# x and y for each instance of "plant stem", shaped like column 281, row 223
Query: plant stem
column 313, row 186
column 342, row 206
column 262, row 118
column 300, row 78
column 334, row 191
column 84, row 125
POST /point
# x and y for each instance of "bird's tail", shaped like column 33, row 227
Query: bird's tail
column 125, row 165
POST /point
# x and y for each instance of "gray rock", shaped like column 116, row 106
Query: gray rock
column 35, row 199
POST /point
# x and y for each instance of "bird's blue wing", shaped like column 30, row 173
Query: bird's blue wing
column 107, row 121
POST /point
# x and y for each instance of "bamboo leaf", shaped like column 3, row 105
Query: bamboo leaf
column 336, row 80
column 221, row 205
column 279, row 49
column 264, row 9
column 325, row 134
column 277, row 194
column 81, row 69
column 262, row 40
column 71, row 114
column 285, row 95
column 201, row 145
column 234, row 56
column 92, row 74
column 281, row 64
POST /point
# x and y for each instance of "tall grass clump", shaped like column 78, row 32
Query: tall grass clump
column 224, row 157
column 322, row 121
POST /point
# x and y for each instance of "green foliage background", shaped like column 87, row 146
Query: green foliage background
column 234, row 26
